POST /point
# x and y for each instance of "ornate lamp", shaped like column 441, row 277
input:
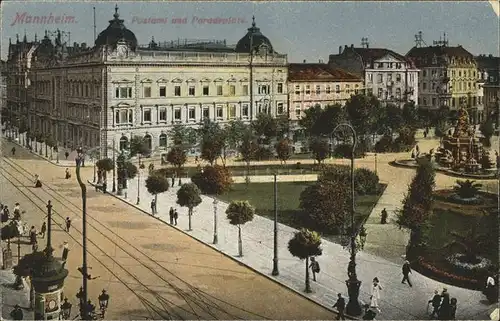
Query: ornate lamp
column 103, row 300
column 66, row 309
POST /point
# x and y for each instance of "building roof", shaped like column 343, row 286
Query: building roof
column 115, row 32
column 488, row 62
column 318, row 72
column 255, row 39
column 371, row 54
column 423, row 56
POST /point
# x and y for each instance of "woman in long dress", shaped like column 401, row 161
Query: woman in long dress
column 375, row 294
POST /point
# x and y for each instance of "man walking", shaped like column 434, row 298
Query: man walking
column 176, row 216
column 171, row 215
column 314, row 267
column 340, row 305
column 436, row 303
column 43, row 229
column 68, row 224
column 65, row 251
column 406, row 271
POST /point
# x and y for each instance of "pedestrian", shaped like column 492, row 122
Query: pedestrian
column 151, row 168
column 340, row 305
column 68, row 224
column 383, row 216
column 17, row 313
column 436, row 303
column 65, row 251
column 43, row 229
column 375, row 294
column 104, row 186
column 412, row 154
column 13, row 151
column 171, row 215
column 66, row 154
column 444, row 309
column 314, row 267
column 196, row 159
column 369, row 313
column 176, row 216
column 425, row 133
column 173, row 179
column 490, row 289
column 68, row 174
column 406, row 272
column 17, row 212
column 33, row 235
column 453, row 308
column 153, row 204
column 5, row 214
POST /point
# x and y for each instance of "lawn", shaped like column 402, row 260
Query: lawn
column 261, row 195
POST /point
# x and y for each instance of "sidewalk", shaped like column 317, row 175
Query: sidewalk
column 11, row 296
column 258, row 254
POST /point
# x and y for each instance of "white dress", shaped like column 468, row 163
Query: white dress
column 375, row 295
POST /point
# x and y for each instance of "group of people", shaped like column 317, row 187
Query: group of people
column 173, row 215
column 443, row 308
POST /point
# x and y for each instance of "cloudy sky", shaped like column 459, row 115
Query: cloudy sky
column 309, row 31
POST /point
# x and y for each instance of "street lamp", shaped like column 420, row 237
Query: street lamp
column 114, row 167
column 353, row 284
column 103, row 302
column 275, row 258
column 66, row 309
column 138, row 183
column 216, row 239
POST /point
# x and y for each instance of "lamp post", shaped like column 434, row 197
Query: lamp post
column 139, row 183
column 114, row 168
column 103, row 302
column 216, row 239
column 353, row 284
column 275, row 258
column 66, row 309
column 376, row 172
column 95, row 162
column 57, row 152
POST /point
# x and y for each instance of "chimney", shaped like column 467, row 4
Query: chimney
column 340, row 50
column 84, row 45
column 304, row 61
column 75, row 44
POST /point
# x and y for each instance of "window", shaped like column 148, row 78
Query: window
column 424, row 85
column 123, row 92
column 328, row 89
column 280, row 88
column 177, row 91
column 232, row 111
column 318, row 89
column 425, row 101
column 308, row 90
column 148, row 141
column 389, row 77
column 297, row 89
column 146, row 116
column 380, row 65
column 206, row 113
column 398, row 77
column 380, row 78
column 192, row 113
column 264, row 89
column 424, row 73
column 123, row 116
column 163, row 114
column 398, row 65
column 245, row 90
column 147, row 92
column 433, row 86
column 459, row 73
column 398, row 93
column 163, row 140
column 245, row 110
column 280, row 109
column 206, row 90
column 348, row 88
column 219, row 112
column 86, row 90
column 297, row 111
column 380, row 93
column 163, row 91
column 337, row 89
column 191, row 91
column 370, row 77
column 177, row 114
column 123, row 143
column 232, row 90
column 219, row 90
column 433, row 101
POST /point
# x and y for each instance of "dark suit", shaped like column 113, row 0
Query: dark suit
column 340, row 305
column 406, row 272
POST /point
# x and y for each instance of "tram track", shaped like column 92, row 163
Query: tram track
column 202, row 305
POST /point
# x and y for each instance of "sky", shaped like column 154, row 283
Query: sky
column 303, row 30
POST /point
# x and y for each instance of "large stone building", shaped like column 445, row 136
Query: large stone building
column 388, row 75
column 118, row 89
column 319, row 84
column 3, row 87
column 448, row 77
column 489, row 80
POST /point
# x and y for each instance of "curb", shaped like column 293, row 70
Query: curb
column 269, row 277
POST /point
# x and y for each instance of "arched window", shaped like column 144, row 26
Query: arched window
column 163, row 140
column 123, row 143
column 148, row 141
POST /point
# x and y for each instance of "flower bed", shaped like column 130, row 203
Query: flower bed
column 428, row 269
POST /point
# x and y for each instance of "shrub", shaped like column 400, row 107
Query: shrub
column 335, row 173
column 298, row 165
column 486, row 162
column 263, row 153
column 320, row 148
column 365, row 181
column 467, row 188
column 131, row 169
column 384, row 145
column 105, row 164
column 213, row 180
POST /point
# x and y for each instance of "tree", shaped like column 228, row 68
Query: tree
column 9, row 231
column 131, row 170
column 363, row 113
column 138, row 146
column 156, row 184
column 487, row 130
column 486, row 162
column 104, row 165
column 283, row 149
column 177, row 157
column 467, row 188
column 310, row 120
column 410, row 115
column 189, row 196
column 50, row 142
column 248, row 148
column 233, row 134
column 325, row 205
column 303, row 245
column 265, row 126
column 212, row 141
column 282, row 126
column 213, row 180
column 183, row 137
column 417, row 205
column 319, row 148
column 392, row 118
column 239, row 213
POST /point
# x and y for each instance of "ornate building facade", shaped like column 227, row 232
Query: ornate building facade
column 489, row 80
column 391, row 77
column 118, row 89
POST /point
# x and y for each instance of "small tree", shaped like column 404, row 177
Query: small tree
column 284, row 150
column 138, row 146
column 213, row 180
column 248, row 149
column 104, row 165
column 303, row 245
column 177, row 157
column 239, row 213
column 131, row 170
column 211, row 149
column 189, row 196
column 319, row 148
column 156, row 184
